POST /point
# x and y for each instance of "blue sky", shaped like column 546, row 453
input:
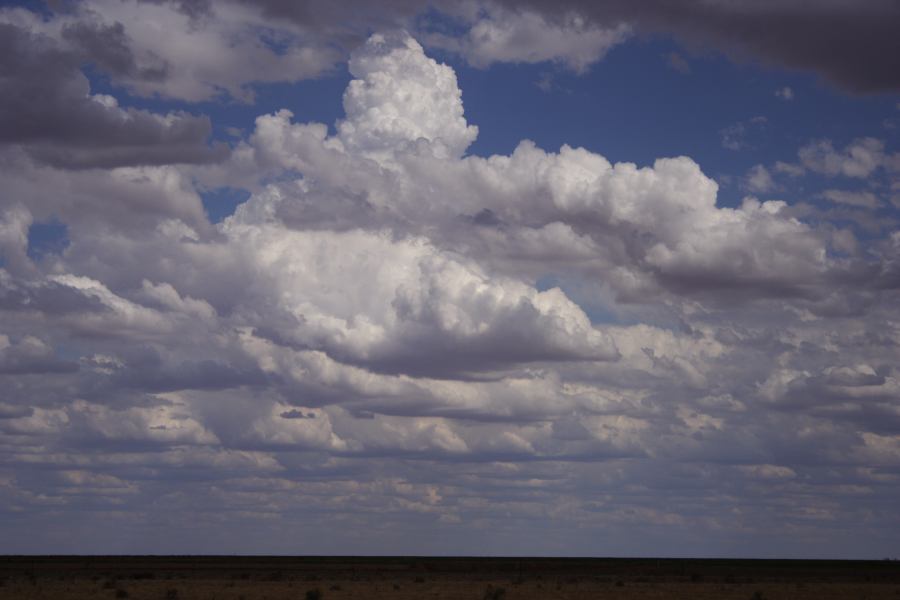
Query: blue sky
column 265, row 289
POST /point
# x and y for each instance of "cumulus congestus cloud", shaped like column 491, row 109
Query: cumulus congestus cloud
column 371, row 340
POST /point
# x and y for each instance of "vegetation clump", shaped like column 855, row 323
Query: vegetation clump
column 314, row 594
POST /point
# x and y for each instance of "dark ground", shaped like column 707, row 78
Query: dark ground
column 334, row 578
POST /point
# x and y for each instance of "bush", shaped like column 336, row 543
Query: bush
column 315, row 594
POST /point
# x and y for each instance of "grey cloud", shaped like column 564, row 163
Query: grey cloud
column 109, row 48
column 47, row 108
column 190, row 374
column 31, row 355
column 12, row 411
column 201, row 51
column 851, row 43
column 346, row 20
column 858, row 159
column 46, row 298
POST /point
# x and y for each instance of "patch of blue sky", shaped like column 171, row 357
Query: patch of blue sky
column 47, row 237
column 220, row 203
column 598, row 306
column 39, row 7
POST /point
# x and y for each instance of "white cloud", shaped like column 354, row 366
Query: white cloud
column 759, row 181
column 859, row 159
column 399, row 97
column 860, row 199
column 790, row 169
column 785, row 93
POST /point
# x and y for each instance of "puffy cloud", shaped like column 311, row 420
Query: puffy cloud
column 413, row 310
column 385, row 308
column 759, row 181
column 859, row 159
column 399, row 97
column 638, row 228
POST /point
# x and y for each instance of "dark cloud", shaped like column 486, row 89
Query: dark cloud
column 45, row 297
column 190, row 375
column 853, row 43
column 351, row 17
column 31, row 355
column 108, row 48
column 46, row 106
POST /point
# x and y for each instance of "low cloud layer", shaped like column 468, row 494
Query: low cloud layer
column 394, row 346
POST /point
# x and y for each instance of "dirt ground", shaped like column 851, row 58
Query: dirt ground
column 321, row 578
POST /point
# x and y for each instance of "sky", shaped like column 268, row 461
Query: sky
column 472, row 277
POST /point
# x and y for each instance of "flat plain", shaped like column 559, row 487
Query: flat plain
column 409, row 578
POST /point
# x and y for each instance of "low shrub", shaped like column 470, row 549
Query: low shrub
column 315, row 594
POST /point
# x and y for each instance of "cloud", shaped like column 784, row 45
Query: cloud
column 678, row 62
column 385, row 308
column 785, row 93
column 48, row 110
column 398, row 98
column 734, row 137
column 758, row 180
column 790, row 169
column 158, row 48
column 859, row 199
column 517, row 36
column 30, row 355
column 791, row 34
column 859, row 159
column 198, row 51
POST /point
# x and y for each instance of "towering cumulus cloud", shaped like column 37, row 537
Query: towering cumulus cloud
column 395, row 337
